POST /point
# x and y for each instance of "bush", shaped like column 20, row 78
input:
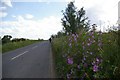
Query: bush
column 87, row 55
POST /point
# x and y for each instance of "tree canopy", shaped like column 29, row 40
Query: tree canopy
column 74, row 19
column 6, row 38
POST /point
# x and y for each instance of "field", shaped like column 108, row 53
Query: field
column 91, row 55
column 14, row 45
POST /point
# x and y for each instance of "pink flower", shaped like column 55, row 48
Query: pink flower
column 70, row 60
column 95, row 68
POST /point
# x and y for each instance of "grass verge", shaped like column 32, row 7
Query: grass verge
column 14, row 45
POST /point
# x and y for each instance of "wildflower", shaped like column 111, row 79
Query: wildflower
column 88, row 44
column 91, row 53
column 73, row 34
column 92, row 33
column 84, row 58
column 97, row 60
column 95, row 68
column 93, row 36
column 89, row 39
column 75, row 39
column 70, row 60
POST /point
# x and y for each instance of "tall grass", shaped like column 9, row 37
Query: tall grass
column 90, row 55
column 14, row 45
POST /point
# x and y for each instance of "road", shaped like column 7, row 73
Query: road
column 33, row 61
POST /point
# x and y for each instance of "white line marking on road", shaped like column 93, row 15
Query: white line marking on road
column 34, row 47
column 19, row 55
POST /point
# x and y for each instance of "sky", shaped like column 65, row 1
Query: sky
column 35, row 19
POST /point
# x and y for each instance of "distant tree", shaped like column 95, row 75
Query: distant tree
column 74, row 20
column 40, row 39
column 18, row 39
column 6, row 38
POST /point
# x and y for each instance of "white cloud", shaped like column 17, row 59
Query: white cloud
column 32, row 29
column 13, row 16
column 7, row 2
column 104, row 10
column 29, row 16
column 3, row 8
column 3, row 14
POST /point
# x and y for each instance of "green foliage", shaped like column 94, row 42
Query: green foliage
column 6, row 39
column 74, row 20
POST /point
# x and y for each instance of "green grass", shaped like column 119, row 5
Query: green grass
column 14, row 45
column 109, row 52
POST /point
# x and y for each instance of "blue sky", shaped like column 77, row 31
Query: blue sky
column 38, row 9
column 42, row 18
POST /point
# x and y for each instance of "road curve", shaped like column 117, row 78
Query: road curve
column 33, row 61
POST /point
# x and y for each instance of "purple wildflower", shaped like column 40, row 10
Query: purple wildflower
column 95, row 68
column 97, row 60
column 70, row 60
column 75, row 39
column 73, row 34
column 89, row 39
column 93, row 36
column 88, row 44
column 84, row 58
column 91, row 53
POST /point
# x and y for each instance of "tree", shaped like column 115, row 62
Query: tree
column 6, row 38
column 73, row 19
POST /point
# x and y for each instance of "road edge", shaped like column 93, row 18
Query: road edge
column 52, row 67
